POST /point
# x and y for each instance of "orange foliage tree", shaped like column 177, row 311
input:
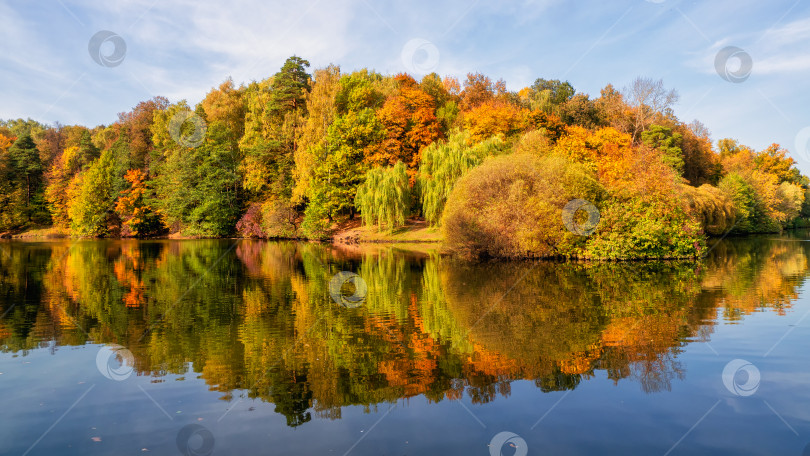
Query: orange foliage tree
column 410, row 122
column 492, row 118
column 6, row 142
column 138, row 218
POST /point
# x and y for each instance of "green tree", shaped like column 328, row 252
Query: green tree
column 384, row 199
column 276, row 108
column 669, row 143
column 91, row 213
column 289, row 88
column 750, row 210
column 355, row 134
column 22, row 173
column 27, row 165
column 443, row 163
column 198, row 189
column 549, row 95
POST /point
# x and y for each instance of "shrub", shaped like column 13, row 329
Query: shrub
column 250, row 225
column 511, row 207
column 316, row 224
column 645, row 228
column 275, row 218
column 279, row 218
column 534, row 142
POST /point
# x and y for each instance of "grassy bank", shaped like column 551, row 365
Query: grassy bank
column 48, row 232
column 414, row 231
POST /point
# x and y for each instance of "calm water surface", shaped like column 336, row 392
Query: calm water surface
column 242, row 347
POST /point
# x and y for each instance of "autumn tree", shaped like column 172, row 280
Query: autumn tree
column 256, row 146
column 647, row 98
column 135, row 127
column 409, row 119
column 137, row 217
column 701, row 162
column 321, row 112
column 493, row 118
column 62, row 175
column 761, row 186
column 775, row 160
column 355, row 134
column 478, row 89
column 278, row 106
column 581, row 110
column 446, row 99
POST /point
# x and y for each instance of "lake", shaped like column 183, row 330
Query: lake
column 197, row 347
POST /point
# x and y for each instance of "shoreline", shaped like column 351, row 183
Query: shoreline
column 353, row 234
column 415, row 231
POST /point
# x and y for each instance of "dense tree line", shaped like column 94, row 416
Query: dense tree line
column 297, row 154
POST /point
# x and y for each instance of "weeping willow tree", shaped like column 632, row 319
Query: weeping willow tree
column 384, row 198
column 711, row 207
column 443, row 163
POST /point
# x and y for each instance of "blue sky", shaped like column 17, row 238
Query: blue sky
column 180, row 49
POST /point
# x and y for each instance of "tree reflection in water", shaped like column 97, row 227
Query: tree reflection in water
column 256, row 318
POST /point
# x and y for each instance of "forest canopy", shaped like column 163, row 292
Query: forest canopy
column 303, row 152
